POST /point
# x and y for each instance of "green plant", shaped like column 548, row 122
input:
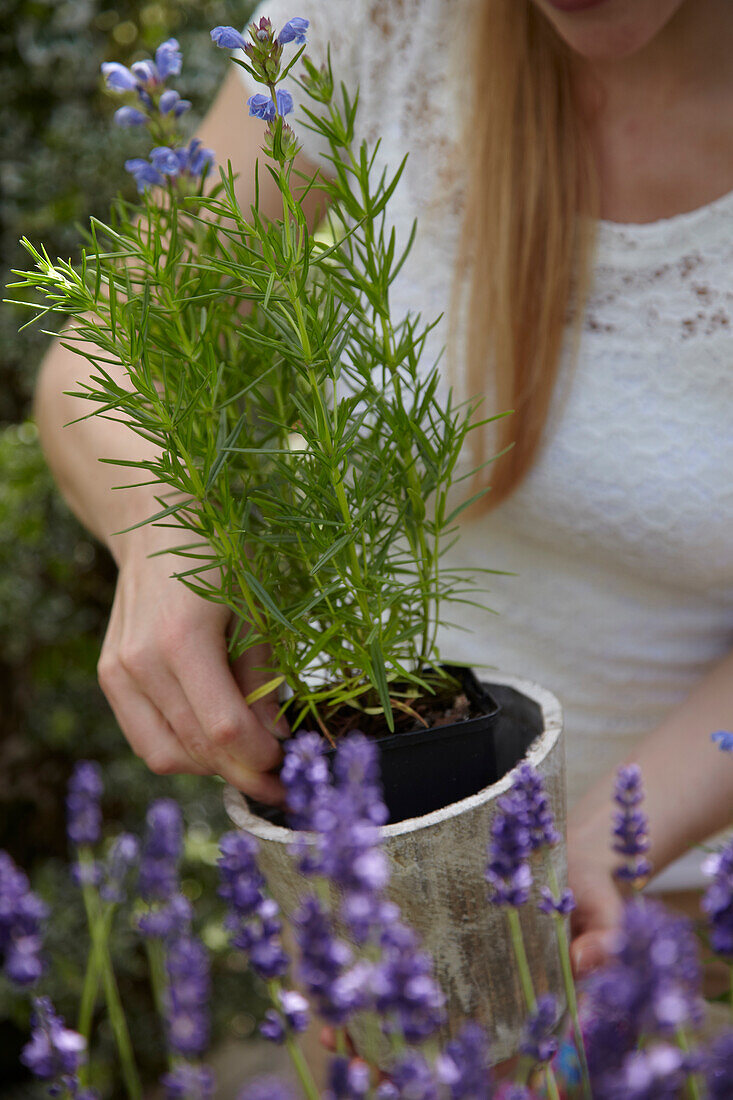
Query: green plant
column 303, row 453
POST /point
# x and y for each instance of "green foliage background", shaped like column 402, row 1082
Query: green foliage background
column 62, row 160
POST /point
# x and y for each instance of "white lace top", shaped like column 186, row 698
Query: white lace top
column 621, row 537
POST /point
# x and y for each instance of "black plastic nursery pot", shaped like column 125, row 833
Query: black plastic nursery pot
column 423, row 770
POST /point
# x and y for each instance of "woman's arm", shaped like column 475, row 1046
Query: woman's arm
column 164, row 664
column 689, row 797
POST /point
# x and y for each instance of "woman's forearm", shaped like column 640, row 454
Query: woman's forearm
column 689, row 783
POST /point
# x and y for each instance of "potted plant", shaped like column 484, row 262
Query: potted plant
column 306, row 460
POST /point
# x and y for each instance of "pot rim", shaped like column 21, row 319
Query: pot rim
column 236, row 806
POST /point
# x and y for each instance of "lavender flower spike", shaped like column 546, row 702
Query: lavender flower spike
column 187, row 1008
column 293, row 31
column 538, row 1042
column 718, row 899
column 630, row 827
column 723, row 739
column 528, row 785
column 189, row 1082
column 162, row 849
column 266, row 1088
column 54, row 1051
column 347, row 1080
column 21, row 914
column 562, row 906
column 719, row 1068
column 464, row 1066
column 508, row 873
column 84, row 814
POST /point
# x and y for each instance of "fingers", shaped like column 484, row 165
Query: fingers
column 149, row 734
column 218, row 703
column 251, row 671
column 591, row 950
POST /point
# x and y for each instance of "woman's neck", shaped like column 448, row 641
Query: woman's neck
column 691, row 55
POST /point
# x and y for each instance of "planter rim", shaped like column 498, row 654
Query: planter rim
column 238, row 809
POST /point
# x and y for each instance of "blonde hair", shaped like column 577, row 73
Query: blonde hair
column 527, row 230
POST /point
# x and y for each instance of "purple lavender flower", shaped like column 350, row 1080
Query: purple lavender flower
column 404, row 986
column 167, row 921
column 54, row 1051
column 168, row 58
column 529, row 786
column 305, row 777
column 324, row 959
column 718, row 899
column 123, row 856
column 187, row 966
column 162, row 850
column 228, row 38
column 253, row 919
column 719, row 1068
column 84, row 814
column 562, row 906
column 538, row 1042
column 464, row 1064
column 655, row 1073
column 651, row 986
column 412, row 1079
column 21, row 915
column 293, row 31
column 291, row 1016
column 143, row 172
column 508, row 873
column 189, row 1082
column 631, row 826
column 347, row 1080
column 723, row 739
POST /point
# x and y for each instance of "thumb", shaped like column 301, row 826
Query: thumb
column 591, row 950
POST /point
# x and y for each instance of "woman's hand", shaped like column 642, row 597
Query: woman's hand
column 599, row 903
column 165, row 670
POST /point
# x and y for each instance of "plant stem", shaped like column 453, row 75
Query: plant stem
column 112, row 996
column 569, row 983
column 693, row 1086
column 520, row 955
column 90, row 990
column 300, row 1065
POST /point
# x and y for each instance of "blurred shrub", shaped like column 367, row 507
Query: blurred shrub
column 62, row 161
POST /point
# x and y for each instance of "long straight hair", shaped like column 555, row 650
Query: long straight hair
column 527, row 231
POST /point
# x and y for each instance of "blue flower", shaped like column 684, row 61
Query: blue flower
column 171, row 101
column 227, row 38
column 118, row 78
column 723, row 739
column 163, row 842
column 293, row 31
column 145, row 71
column 168, row 59
column 129, row 116
column 261, row 106
column 165, row 160
column 144, row 173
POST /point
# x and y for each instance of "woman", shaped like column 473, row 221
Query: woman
column 527, row 121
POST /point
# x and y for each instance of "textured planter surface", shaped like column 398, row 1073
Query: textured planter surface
column 437, row 863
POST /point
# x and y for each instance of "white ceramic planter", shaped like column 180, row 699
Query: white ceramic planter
column 437, row 864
